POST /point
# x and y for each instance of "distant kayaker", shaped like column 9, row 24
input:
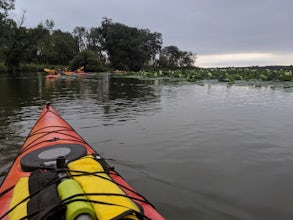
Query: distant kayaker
column 52, row 71
column 80, row 69
column 59, row 71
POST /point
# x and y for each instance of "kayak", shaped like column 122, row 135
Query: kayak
column 51, row 76
column 82, row 73
column 58, row 175
column 71, row 73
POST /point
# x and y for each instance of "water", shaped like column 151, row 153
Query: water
column 202, row 152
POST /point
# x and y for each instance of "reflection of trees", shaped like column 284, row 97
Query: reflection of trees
column 66, row 87
column 131, row 88
column 123, row 97
column 29, row 90
column 118, row 94
column 16, row 92
column 129, row 95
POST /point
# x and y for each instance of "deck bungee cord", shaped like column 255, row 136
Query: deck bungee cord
column 72, row 198
column 61, row 132
column 84, row 173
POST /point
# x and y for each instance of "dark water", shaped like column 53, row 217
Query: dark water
column 196, row 151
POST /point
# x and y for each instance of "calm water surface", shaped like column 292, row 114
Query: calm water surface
column 196, row 151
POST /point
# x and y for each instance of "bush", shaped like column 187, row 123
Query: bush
column 28, row 67
column 89, row 60
column 3, row 68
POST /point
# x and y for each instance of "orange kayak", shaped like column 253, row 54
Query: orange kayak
column 57, row 175
column 52, row 76
column 82, row 73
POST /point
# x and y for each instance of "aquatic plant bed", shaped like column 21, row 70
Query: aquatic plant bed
column 229, row 75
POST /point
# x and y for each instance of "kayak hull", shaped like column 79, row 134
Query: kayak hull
column 82, row 73
column 52, row 129
column 53, row 76
column 70, row 73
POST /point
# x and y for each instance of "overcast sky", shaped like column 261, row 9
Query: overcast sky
column 220, row 32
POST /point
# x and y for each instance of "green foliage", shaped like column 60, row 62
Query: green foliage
column 57, row 48
column 3, row 68
column 5, row 25
column 128, row 48
column 229, row 75
column 80, row 34
column 173, row 58
column 88, row 59
column 14, row 48
column 31, row 67
column 5, row 7
column 34, row 45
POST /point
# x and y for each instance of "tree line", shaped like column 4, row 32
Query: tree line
column 111, row 45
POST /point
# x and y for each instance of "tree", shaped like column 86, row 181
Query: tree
column 152, row 43
column 171, row 57
column 128, row 48
column 5, row 7
column 22, row 44
column 63, row 47
column 88, row 59
column 14, row 48
column 56, row 48
column 187, row 59
column 81, row 35
column 33, row 53
column 43, row 49
column 94, row 38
